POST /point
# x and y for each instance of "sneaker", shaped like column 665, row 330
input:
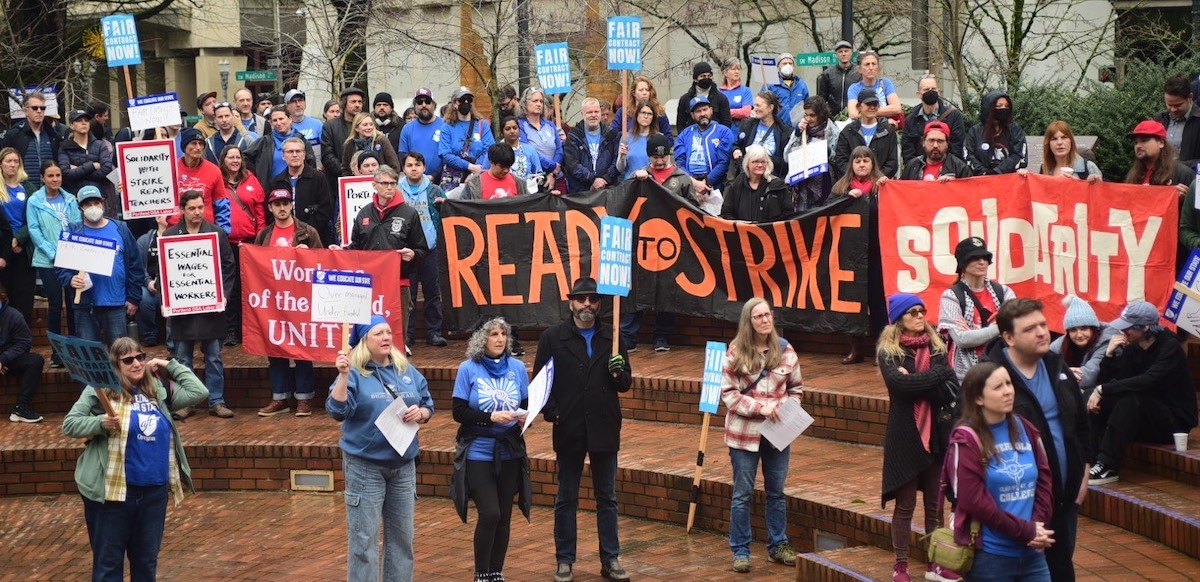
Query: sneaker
column 277, row 407
column 900, row 572
column 517, row 350
column 220, row 411
column 632, row 348
column 436, row 340
column 407, row 350
column 783, row 555
column 183, row 413
column 304, row 407
column 498, row 577
column 1101, row 475
column 563, row 574
column 938, row 573
column 56, row 362
column 661, row 345
column 612, row 570
column 741, row 564
column 24, row 414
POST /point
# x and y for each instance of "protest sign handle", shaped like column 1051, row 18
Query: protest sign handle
column 557, row 112
column 346, row 338
column 108, row 407
column 804, row 148
column 624, row 104
column 691, row 518
column 78, row 295
column 1188, row 291
column 129, row 83
column 616, row 345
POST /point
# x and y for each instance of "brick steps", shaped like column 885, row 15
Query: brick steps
column 1159, row 509
column 857, row 564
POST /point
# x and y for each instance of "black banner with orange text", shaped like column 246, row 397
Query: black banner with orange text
column 517, row 257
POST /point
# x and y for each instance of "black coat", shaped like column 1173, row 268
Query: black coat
column 1189, row 143
column 206, row 326
column 883, row 145
column 1160, row 373
column 742, row 203
column 583, row 403
column 952, row 165
column 1004, row 154
column 745, row 138
column 577, row 159
column 313, row 200
column 911, row 146
column 903, row 456
column 720, row 105
column 1071, row 414
column 398, row 227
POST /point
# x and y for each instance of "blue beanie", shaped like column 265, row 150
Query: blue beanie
column 898, row 303
column 360, row 331
column 1079, row 313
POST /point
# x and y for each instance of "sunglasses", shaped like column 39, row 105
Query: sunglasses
column 915, row 311
column 586, row 298
column 36, row 107
column 423, row 101
column 128, row 360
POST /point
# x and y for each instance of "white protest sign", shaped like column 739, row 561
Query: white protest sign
column 1183, row 307
column 341, row 297
column 153, row 111
column 87, row 254
column 714, row 369
column 763, row 70
column 792, row 420
column 354, row 193
column 148, row 181
column 189, row 267
column 616, row 256
column 808, row 160
column 539, row 392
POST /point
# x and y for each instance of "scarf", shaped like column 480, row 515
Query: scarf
column 496, row 367
column 922, row 411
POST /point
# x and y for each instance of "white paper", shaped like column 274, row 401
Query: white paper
column 808, row 160
column 84, row 257
column 793, row 420
column 152, row 115
column 539, row 392
column 399, row 434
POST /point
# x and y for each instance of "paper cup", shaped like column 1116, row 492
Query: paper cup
column 1181, row 439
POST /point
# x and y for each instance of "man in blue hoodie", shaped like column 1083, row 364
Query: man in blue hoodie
column 425, row 135
column 424, row 196
column 106, row 301
column 703, row 149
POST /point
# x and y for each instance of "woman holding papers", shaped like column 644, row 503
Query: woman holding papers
column 912, row 360
column 761, row 374
column 380, row 481
column 133, row 459
column 491, row 391
column 49, row 212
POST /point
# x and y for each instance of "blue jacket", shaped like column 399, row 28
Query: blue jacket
column 718, row 147
column 548, row 127
column 789, row 98
column 44, row 226
column 424, row 138
column 454, row 134
column 109, row 291
column 423, row 201
column 366, row 399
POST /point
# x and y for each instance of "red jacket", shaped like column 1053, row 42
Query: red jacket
column 247, row 209
column 963, row 473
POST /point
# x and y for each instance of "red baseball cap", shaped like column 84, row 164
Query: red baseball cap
column 932, row 125
column 1149, row 128
column 279, row 194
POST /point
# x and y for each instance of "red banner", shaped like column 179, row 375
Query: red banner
column 277, row 299
column 1108, row 243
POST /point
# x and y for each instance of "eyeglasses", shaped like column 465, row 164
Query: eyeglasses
column 128, row 360
column 587, row 298
column 761, row 316
column 385, row 183
column 423, row 101
column 36, row 107
column 915, row 311
column 293, row 152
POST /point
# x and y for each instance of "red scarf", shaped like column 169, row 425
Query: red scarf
column 864, row 186
column 922, row 411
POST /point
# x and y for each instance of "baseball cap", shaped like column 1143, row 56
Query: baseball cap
column 461, row 92
column 190, row 135
column 841, row 44
column 658, row 145
column 425, row 92
column 1136, row 313
column 78, row 114
column 279, row 194
column 1149, row 128
column 294, row 93
column 938, row 125
column 88, row 193
column 698, row 101
column 868, row 97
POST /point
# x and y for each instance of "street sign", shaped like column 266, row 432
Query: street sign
column 254, row 75
column 826, row 59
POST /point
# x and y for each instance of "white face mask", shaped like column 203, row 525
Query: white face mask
column 93, row 213
column 786, row 70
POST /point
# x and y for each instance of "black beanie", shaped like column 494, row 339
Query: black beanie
column 383, row 97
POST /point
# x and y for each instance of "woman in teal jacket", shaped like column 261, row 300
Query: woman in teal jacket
column 132, row 461
column 49, row 212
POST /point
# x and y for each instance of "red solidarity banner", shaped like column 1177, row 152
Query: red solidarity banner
column 1108, row 243
column 277, row 297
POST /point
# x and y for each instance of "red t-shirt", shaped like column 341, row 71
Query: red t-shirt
column 932, row 171
column 661, row 176
column 283, row 236
column 985, row 299
column 490, row 187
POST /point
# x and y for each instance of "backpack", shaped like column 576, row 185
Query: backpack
column 960, row 292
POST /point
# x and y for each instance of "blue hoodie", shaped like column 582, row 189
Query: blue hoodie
column 421, row 198
column 454, row 134
column 366, row 399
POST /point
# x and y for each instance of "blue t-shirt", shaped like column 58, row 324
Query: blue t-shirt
column 14, row 209
column 593, row 142
column 109, row 291
column 492, row 386
column 588, row 334
column 883, row 87
column 697, row 159
column 636, row 159
column 869, row 132
column 310, row 128
column 1043, row 391
column 1012, row 476
column 764, row 137
column 147, row 450
column 424, row 138
column 738, row 97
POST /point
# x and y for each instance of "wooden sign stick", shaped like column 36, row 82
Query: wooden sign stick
column 691, row 518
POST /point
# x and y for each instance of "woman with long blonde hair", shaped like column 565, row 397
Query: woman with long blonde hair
column 912, row 360
column 761, row 373
column 17, row 275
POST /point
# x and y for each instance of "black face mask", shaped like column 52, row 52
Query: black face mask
column 464, row 107
column 704, row 84
column 930, row 97
column 1002, row 115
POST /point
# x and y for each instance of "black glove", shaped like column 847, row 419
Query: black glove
column 616, row 364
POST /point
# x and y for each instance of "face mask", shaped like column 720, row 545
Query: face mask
column 1002, row 115
column 930, row 97
column 704, row 84
column 464, row 108
column 786, row 70
column 93, row 213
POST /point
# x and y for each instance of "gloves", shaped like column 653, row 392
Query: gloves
column 616, row 364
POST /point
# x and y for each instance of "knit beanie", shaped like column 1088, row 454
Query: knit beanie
column 1079, row 313
column 899, row 303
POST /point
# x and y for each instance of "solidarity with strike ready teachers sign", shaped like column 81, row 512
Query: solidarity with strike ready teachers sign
column 517, row 257
column 1108, row 243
